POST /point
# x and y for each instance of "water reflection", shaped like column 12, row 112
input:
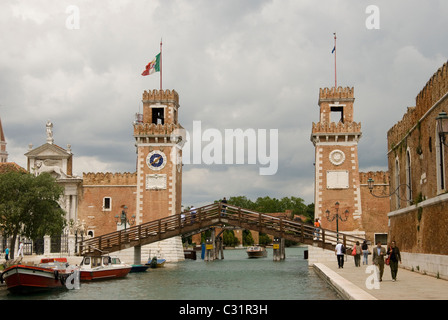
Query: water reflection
column 234, row 278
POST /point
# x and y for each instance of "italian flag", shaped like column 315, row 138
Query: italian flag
column 153, row 66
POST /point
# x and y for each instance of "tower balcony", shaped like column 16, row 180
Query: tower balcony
column 151, row 132
column 336, row 132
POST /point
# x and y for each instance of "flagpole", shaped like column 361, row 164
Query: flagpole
column 160, row 64
column 335, row 73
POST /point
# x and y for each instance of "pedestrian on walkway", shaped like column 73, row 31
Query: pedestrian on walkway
column 395, row 257
column 357, row 255
column 365, row 252
column 378, row 258
column 7, row 253
column 193, row 214
column 339, row 251
column 20, row 252
column 223, row 207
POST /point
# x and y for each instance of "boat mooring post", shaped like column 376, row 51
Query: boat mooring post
column 209, row 247
column 278, row 249
column 209, row 251
column 219, row 250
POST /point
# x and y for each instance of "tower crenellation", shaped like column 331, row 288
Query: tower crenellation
column 336, row 93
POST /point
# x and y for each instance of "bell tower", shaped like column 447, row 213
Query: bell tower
column 158, row 139
column 3, row 153
column 335, row 138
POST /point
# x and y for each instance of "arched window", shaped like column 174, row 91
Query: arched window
column 440, row 162
column 408, row 177
column 397, row 183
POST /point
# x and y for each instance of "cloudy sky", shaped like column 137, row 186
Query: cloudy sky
column 249, row 64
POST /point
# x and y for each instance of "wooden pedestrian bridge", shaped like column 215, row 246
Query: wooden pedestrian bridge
column 214, row 215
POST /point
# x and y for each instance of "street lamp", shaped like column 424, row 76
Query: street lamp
column 338, row 217
column 123, row 219
column 370, row 185
column 442, row 126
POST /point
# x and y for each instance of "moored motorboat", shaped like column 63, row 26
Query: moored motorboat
column 156, row 262
column 139, row 268
column 102, row 267
column 49, row 274
column 256, row 252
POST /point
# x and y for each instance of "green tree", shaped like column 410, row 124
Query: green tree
column 248, row 240
column 242, row 202
column 229, row 238
column 264, row 239
column 29, row 206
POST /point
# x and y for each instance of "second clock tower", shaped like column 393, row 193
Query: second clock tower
column 335, row 138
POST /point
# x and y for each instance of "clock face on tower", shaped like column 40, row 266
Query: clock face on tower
column 156, row 160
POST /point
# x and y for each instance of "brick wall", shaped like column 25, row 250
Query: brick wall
column 119, row 187
column 419, row 221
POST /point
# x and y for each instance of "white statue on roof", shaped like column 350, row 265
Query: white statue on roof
column 50, row 139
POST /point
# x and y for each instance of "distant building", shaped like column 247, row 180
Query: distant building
column 3, row 153
column 58, row 162
column 6, row 166
column 418, row 162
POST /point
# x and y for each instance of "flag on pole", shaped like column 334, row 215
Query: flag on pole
column 153, row 66
column 332, row 51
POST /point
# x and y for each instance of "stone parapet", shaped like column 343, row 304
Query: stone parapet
column 333, row 127
column 109, row 178
column 338, row 93
column 435, row 89
column 160, row 96
column 379, row 177
column 152, row 129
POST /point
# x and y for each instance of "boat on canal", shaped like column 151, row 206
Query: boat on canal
column 155, row 262
column 256, row 252
column 138, row 268
column 50, row 273
column 103, row 267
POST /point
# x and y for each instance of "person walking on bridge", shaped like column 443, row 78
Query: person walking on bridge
column 317, row 229
column 193, row 214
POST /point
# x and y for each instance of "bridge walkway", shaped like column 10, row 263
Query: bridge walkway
column 213, row 215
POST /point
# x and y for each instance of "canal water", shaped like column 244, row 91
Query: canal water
column 234, row 278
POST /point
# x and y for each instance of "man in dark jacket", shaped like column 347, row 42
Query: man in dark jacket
column 378, row 258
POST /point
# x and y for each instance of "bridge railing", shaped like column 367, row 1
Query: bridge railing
column 219, row 214
column 296, row 229
column 149, row 229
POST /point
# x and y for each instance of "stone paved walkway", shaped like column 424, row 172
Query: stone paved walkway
column 358, row 283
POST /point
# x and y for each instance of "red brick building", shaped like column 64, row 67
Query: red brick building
column 417, row 159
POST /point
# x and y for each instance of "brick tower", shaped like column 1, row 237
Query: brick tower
column 335, row 138
column 158, row 138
